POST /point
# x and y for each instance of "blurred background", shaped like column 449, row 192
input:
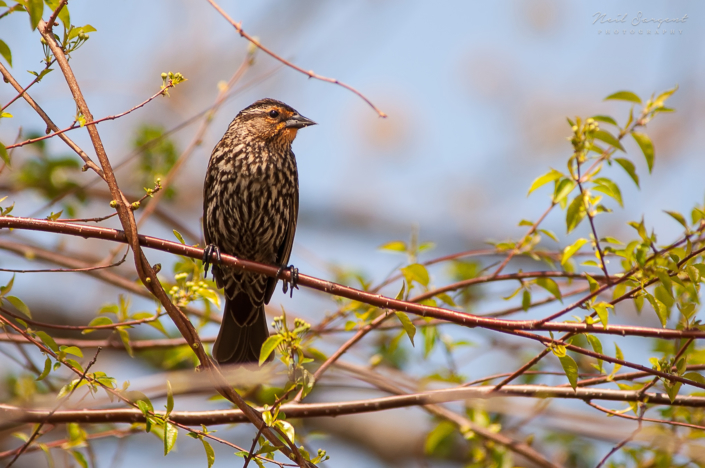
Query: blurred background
column 477, row 94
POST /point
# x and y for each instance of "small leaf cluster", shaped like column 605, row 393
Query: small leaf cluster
column 291, row 346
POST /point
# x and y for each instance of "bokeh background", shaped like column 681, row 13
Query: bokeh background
column 477, row 94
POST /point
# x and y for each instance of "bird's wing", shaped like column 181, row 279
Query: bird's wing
column 206, row 237
column 285, row 248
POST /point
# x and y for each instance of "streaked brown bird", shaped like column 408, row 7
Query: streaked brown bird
column 250, row 206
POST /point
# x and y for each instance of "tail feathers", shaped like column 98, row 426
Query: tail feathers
column 240, row 344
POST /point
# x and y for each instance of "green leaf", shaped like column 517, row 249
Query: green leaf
column 416, row 272
column 575, row 212
column 617, row 366
column 400, row 294
column 48, row 341
column 80, row 458
column 179, row 237
column 269, row 346
column 138, row 397
column 661, row 99
column 125, row 338
column 35, row 8
column 609, row 188
column 210, row 454
column 544, row 179
column 4, row 155
column 407, row 325
column 549, row 285
column 169, row 399
column 688, row 310
column 605, row 119
column 426, row 246
column 287, row 429
column 665, row 279
column 624, row 96
column 19, row 305
column 47, row 369
column 549, row 234
column 526, row 300
column 660, row 309
column 571, row 370
column 628, row 166
column 394, row 246
column 438, row 434
column 602, row 312
column 446, row 299
column 170, row 434
column 97, row 322
column 678, row 217
column 6, row 52
column 646, row 146
column 562, row 189
column 76, row 351
column 572, row 249
column 608, row 138
column 695, row 377
column 596, row 346
column 672, row 390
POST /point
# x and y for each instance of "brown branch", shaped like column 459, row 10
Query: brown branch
column 80, row 327
column 197, row 138
column 591, row 220
column 462, row 423
column 627, row 440
column 145, row 271
column 634, row 418
column 50, row 124
column 94, row 122
column 55, row 13
column 98, row 435
column 344, row 348
column 314, row 410
column 109, row 343
column 520, row 244
column 308, row 73
column 452, row 316
column 34, row 435
column 24, row 90
column 495, row 277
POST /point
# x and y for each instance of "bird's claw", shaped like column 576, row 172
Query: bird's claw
column 209, row 253
column 293, row 282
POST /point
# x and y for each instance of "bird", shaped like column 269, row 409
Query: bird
column 250, row 209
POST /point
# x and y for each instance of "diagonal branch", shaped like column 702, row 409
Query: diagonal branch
column 145, row 271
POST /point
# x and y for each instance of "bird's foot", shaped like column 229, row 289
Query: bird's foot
column 292, row 282
column 211, row 256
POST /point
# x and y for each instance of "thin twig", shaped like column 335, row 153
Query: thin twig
column 94, row 122
column 642, row 409
column 58, row 405
column 308, row 73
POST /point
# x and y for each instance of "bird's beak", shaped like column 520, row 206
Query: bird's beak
column 298, row 121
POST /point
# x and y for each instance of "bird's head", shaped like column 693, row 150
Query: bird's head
column 268, row 119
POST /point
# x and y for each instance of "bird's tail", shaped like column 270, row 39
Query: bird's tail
column 241, row 343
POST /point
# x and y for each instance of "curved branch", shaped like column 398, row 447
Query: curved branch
column 308, row 73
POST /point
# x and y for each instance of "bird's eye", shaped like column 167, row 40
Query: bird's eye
column 274, row 113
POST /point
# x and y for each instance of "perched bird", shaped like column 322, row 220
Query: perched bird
column 250, row 206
